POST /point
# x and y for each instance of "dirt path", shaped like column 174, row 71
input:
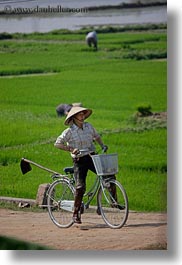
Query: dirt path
column 142, row 231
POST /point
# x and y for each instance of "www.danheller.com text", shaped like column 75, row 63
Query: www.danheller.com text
column 8, row 9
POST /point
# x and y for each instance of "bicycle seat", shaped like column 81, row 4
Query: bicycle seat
column 69, row 170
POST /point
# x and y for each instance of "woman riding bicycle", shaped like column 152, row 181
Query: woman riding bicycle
column 79, row 136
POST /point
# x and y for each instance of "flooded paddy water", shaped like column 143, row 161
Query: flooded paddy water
column 28, row 16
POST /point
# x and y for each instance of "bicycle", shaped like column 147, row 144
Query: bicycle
column 60, row 195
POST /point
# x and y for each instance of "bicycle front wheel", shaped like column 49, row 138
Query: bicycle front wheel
column 60, row 203
column 113, row 203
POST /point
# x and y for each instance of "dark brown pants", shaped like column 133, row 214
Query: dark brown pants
column 81, row 167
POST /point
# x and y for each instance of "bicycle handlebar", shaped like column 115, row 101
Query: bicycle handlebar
column 87, row 151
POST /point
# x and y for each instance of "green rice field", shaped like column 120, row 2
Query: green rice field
column 40, row 71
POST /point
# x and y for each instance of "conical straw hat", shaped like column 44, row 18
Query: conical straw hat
column 75, row 110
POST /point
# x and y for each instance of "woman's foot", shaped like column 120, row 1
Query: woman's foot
column 77, row 219
column 98, row 211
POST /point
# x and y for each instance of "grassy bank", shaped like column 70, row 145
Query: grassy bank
column 39, row 71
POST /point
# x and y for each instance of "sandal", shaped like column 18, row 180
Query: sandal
column 77, row 219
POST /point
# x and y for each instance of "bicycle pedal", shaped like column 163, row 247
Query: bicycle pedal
column 120, row 207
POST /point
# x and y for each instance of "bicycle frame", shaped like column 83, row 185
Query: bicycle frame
column 92, row 191
column 99, row 182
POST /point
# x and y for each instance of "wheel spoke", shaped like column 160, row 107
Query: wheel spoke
column 113, row 204
column 60, row 200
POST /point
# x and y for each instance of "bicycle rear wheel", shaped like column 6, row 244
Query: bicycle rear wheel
column 113, row 208
column 60, row 202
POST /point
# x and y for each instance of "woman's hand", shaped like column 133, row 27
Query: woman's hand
column 75, row 151
column 104, row 148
